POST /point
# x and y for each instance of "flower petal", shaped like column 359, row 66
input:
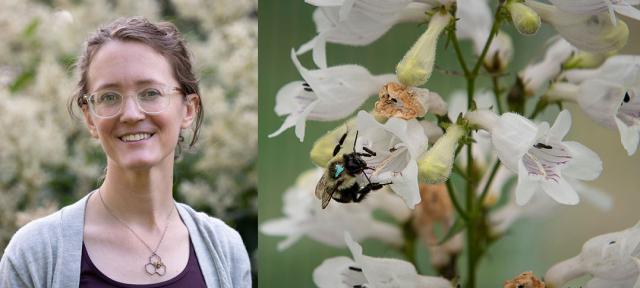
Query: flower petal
column 527, row 185
column 584, row 164
column 405, row 184
column 627, row 10
column 600, row 100
column 630, row 136
column 560, row 191
column 512, row 137
column 561, row 127
column 328, row 274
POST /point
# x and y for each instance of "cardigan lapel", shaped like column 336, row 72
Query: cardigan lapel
column 210, row 273
column 70, row 250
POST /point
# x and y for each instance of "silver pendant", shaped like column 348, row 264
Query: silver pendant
column 155, row 265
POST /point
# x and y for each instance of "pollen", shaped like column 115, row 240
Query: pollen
column 397, row 100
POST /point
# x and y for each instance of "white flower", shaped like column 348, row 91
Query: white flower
column 534, row 76
column 538, row 154
column 592, row 33
column 596, row 6
column 610, row 96
column 366, row 271
column 623, row 69
column 325, row 95
column 357, row 22
column 416, row 66
column 608, row 102
column 305, row 217
column 397, row 144
column 610, row 258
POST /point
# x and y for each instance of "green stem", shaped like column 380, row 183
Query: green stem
column 497, row 92
column 485, row 190
column 454, row 200
column 456, row 47
column 494, row 30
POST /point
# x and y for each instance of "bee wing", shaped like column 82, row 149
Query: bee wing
column 324, row 190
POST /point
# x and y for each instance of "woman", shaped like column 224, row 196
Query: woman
column 137, row 93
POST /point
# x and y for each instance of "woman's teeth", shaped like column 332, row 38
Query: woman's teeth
column 135, row 137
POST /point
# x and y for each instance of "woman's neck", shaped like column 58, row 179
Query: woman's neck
column 140, row 197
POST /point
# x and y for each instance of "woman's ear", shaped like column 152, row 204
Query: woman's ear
column 193, row 104
column 87, row 119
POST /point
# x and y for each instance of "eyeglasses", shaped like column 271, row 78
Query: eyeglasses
column 150, row 100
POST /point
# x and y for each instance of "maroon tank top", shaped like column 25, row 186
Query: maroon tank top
column 91, row 277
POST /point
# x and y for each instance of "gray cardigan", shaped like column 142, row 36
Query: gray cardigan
column 46, row 252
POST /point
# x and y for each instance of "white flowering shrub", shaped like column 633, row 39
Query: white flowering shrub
column 48, row 160
column 453, row 173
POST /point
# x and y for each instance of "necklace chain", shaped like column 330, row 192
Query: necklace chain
column 153, row 251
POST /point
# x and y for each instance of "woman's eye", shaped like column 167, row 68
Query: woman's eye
column 149, row 94
column 108, row 98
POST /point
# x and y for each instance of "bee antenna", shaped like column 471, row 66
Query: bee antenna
column 354, row 141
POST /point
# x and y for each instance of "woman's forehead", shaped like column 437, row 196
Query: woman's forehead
column 127, row 64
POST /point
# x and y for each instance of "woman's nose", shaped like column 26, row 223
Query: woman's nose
column 130, row 111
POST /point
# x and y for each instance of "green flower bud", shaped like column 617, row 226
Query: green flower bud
column 322, row 150
column 435, row 166
column 416, row 66
column 585, row 60
column 525, row 19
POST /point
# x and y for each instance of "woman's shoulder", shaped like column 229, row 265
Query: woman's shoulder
column 40, row 233
column 41, row 237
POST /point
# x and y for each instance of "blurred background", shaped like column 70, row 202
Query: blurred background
column 47, row 158
column 531, row 245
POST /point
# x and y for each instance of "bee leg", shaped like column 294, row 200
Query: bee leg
column 340, row 142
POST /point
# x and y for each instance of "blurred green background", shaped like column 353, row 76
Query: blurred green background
column 531, row 245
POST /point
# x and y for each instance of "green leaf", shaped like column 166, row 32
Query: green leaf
column 31, row 29
column 22, row 80
column 457, row 227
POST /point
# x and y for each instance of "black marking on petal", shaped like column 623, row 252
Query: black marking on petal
column 627, row 98
column 542, row 146
column 612, row 242
column 305, row 84
column 355, row 269
column 308, row 89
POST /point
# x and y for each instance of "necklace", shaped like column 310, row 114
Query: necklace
column 155, row 264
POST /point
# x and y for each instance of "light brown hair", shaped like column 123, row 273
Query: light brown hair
column 163, row 37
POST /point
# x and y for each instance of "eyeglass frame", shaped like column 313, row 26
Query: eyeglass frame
column 86, row 100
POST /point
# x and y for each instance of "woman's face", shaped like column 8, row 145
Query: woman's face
column 128, row 67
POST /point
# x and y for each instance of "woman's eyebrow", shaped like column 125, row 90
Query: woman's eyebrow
column 137, row 83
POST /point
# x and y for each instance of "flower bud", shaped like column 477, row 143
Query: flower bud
column 525, row 19
column 416, row 66
column 322, row 151
column 499, row 54
column 585, row 60
column 435, row 166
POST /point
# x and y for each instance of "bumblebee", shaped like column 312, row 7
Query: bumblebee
column 339, row 180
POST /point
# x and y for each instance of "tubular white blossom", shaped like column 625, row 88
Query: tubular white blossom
column 591, row 7
column 305, row 217
column 538, row 154
column 397, row 144
column 610, row 258
column 326, row 95
column 592, row 33
column 366, row 271
column 358, row 22
column 534, row 76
